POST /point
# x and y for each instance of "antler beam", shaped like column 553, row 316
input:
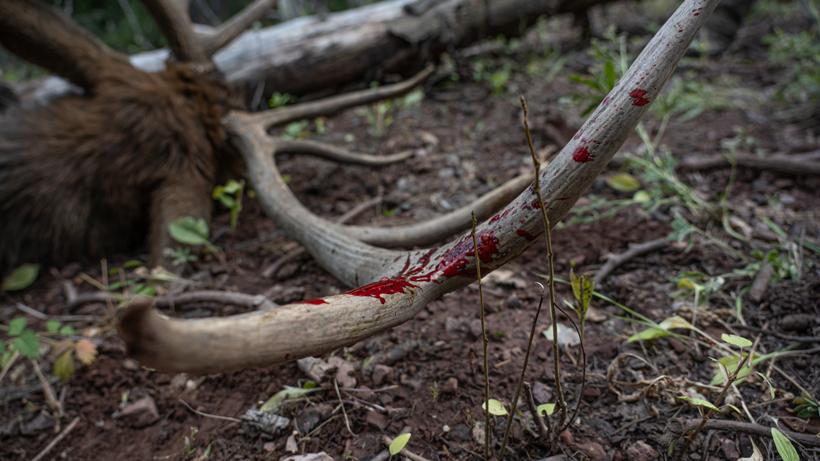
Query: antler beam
column 397, row 283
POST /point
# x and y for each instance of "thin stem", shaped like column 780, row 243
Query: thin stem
column 707, row 412
column 556, row 356
column 485, row 340
column 523, row 371
column 580, row 332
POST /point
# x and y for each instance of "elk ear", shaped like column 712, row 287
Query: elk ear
column 47, row 38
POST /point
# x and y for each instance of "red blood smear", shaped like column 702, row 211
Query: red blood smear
column 314, row 301
column 495, row 218
column 638, row 96
column 382, row 287
column 525, row 234
column 487, row 246
column 535, row 204
column 582, row 155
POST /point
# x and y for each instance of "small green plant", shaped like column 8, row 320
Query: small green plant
column 610, row 62
column 296, row 130
column 705, row 407
column 398, row 444
column 229, row 195
column 799, row 53
column 190, row 231
column 23, row 341
column 279, row 100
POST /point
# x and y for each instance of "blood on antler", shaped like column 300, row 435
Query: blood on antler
column 397, row 284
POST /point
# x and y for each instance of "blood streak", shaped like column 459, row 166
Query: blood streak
column 582, row 155
column 487, row 246
column 638, row 96
column 535, row 204
column 525, row 234
column 383, row 287
column 313, row 301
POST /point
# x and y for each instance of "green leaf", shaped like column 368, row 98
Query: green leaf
column 52, row 326
column 2, row 347
column 545, row 409
column 494, row 407
column 641, row 196
column 398, row 444
column 287, row 393
column 623, row 182
column 21, row 277
column 610, row 74
column 661, row 330
column 27, row 344
column 582, row 288
column 68, row 330
column 699, row 402
column 735, row 340
column 189, row 230
column 784, row 446
column 64, row 367
column 16, row 326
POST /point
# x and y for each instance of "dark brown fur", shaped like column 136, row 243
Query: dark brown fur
column 90, row 176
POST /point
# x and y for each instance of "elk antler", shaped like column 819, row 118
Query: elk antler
column 398, row 283
column 46, row 37
column 192, row 45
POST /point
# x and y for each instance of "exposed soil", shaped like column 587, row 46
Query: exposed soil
column 426, row 375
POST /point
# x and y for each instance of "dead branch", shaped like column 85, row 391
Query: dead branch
column 308, row 54
column 45, row 451
column 397, row 283
column 613, row 261
column 754, row 429
column 795, row 165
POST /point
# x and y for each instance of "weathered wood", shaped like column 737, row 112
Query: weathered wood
column 308, row 54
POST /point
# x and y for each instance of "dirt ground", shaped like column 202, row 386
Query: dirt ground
column 427, row 375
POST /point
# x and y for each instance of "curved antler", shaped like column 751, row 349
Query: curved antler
column 398, row 283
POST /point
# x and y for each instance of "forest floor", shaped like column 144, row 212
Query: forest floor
column 426, row 376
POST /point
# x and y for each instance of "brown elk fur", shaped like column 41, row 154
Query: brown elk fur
column 89, row 176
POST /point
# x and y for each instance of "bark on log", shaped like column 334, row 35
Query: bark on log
column 309, row 54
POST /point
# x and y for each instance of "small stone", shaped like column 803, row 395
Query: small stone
column 450, row 386
column 591, row 393
column 729, row 449
column 541, row 393
column 130, row 364
column 445, row 428
column 641, row 451
column 453, row 325
column 475, row 328
column 381, row 373
column 269, row 447
column 593, row 450
column 310, row 417
column 377, row 420
column 140, row 413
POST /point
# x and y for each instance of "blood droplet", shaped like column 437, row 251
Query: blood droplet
column 638, row 96
column 582, row 155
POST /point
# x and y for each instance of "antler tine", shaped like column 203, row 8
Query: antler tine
column 217, row 38
column 43, row 36
column 336, row 154
column 335, row 104
column 409, row 280
column 441, row 227
column 411, row 235
column 175, row 23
